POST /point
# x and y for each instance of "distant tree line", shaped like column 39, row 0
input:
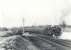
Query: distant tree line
column 53, row 31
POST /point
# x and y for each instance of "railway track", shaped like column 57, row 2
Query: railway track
column 34, row 42
column 58, row 41
column 46, row 42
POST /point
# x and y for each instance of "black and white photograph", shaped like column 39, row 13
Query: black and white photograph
column 35, row 24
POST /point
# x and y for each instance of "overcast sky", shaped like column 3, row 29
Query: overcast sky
column 34, row 12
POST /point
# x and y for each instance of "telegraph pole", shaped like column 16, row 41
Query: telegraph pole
column 23, row 24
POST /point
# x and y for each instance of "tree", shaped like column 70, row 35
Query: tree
column 56, row 30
